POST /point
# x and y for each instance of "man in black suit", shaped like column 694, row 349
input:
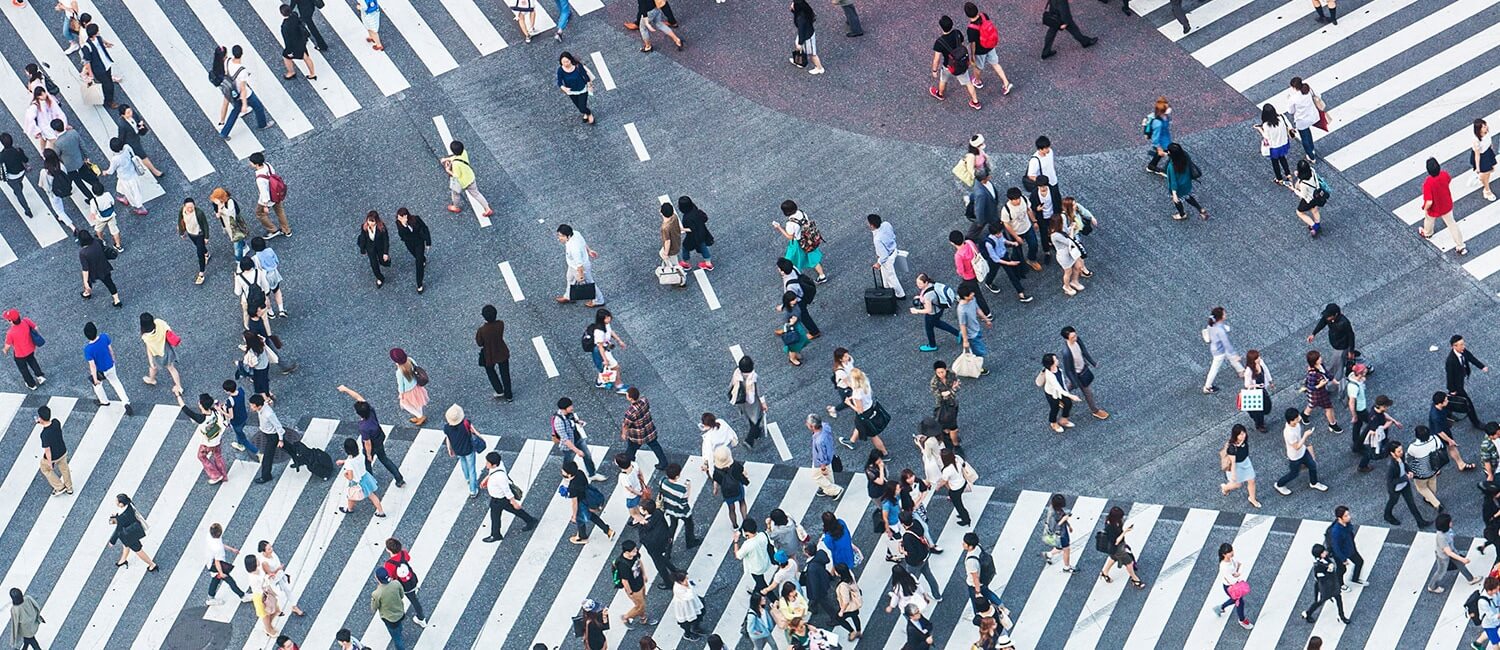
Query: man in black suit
column 984, row 203
column 1457, row 368
column 305, row 10
column 1398, row 485
column 1059, row 16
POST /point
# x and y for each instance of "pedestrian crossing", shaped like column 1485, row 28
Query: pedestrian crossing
column 1403, row 81
column 525, row 588
column 162, row 56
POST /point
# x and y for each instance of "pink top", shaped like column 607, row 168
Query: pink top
column 963, row 260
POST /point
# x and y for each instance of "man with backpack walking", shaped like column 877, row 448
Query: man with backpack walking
column 983, row 38
column 503, row 492
column 950, row 60
column 398, row 565
column 239, row 95
column 272, row 192
column 806, row 290
column 934, row 298
column 1483, row 612
column 979, row 569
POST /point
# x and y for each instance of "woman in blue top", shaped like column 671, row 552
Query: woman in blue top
column 837, row 539
column 758, row 623
column 1158, row 129
column 1180, row 181
column 577, row 82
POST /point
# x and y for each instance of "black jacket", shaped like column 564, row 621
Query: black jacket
column 654, row 534
column 916, row 633
column 293, row 34
column 695, row 230
column 1061, row 8
column 1068, row 362
column 1325, row 575
column 1395, row 476
column 816, row 578
column 1340, row 331
column 1458, row 367
column 415, row 235
column 381, row 245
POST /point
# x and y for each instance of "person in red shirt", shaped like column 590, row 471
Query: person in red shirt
column 965, row 252
column 23, row 339
column 401, row 570
column 1437, row 203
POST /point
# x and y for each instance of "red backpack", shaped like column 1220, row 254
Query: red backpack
column 989, row 37
column 275, row 186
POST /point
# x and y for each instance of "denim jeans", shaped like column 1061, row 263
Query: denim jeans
column 394, row 628
column 701, row 250
column 234, row 115
column 1239, row 605
column 584, row 460
column 991, row 595
column 976, row 344
column 1294, row 467
column 632, row 447
column 466, row 461
column 241, row 248
column 1307, row 142
column 935, row 320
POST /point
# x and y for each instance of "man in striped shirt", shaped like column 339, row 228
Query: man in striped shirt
column 675, row 504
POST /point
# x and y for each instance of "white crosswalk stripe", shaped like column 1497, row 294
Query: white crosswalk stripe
column 454, row 526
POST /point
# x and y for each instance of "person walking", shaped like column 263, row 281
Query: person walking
column 458, row 438
column 1319, row 385
column 603, row 338
column 670, row 253
column 1117, row 548
column 1306, row 109
column 1233, row 579
column 386, row 604
column 861, row 400
column 273, row 572
column 219, row 567
column 851, row 18
column 54, row 463
column 579, row 278
column 951, row 59
column 1341, row 545
column 586, row 500
column 161, row 350
column 503, row 496
column 305, row 10
column 687, row 607
column 1423, row 458
column 1216, row 335
column 650, row 18
column 638, row 430
column 752, row 548
column 979, row 570
column 360, row 484
column 996, row 248
column 1057, row 532
column 729, row 482
column 369, row 17
column 463, row 182
column 256, row 363
column 1058, row 16
column 655, row 535
column 411, row 386
column 192, row 225
column 944, row 386
column 1068, row 253
column 93, row 258
column 970, row 266
column 1398, row 485
column 237, row 87
column 793, row 331
column 1274, row 144
column 983, row 39
column 1457, row 368
column 1437, row 203
column 629, row 576
column 399, row 567
column 272, row 194
column 269, row 264
column 1298, row 454
column 132, row 127
column 672, row 493
column 805, row 49
column 957, row 476
column 759, row 623
column 58, row 188
column 822, row 456
column 1180, row 173
column 886, row 254
column 576, row 81
column 98, row 64
column 294, row 37
column 268, row 437
column 43, row 111
column 696, row 237
column 1448, row 560
column 371, row 435
column 745, row 395
column 971, row 324
column 1059, row 399
column 25, row 620
column 1157, row 127
column 1325, row 585
column 564, row 15
column 99, row 353
column 122, row 164
column 1234, row 459
column 22, row 339
column 418, row 240
column 227, row 211
column 804, row 241
column 571, row 439
column 1258, row 378
column 1340, row 335
column 935, row 298
column 129, row 530
column 1372, row 445
column 13, row 167
column 209, row 421
column 1482, row 160
column 374, row 242
column 494, row 354
column 1311, row 196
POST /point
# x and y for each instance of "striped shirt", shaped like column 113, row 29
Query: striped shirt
column 674, row 498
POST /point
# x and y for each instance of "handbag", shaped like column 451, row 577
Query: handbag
column 876, row 418
column 968, row 365
column 1239, row 590
column 36, row 338
column 1322, row 122
column 582, row 291
column 790, row 336
column 799, row 58
column 140, row 167
column 1251, row 400
column 1051, row 19
column 173, row 338
column 1051, row 539
column 93, row 94
column 1226, row 462
column 964, row 172
column 978, row 263
column 970, row 474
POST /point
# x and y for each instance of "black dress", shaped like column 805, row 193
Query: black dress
column 128, row 529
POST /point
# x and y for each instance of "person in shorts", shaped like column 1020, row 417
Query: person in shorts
column 951, row 61
column 270, row 265
column 980, row 55
column 103, row 217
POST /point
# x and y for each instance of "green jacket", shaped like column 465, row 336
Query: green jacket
column 386, row 601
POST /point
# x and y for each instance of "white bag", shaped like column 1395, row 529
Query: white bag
column 968, row 365
column 981, row 266
column 93, row 93
column 671, row 274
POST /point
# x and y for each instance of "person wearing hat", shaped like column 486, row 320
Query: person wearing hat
column 412, row 393
column 22, row 339
column 458, row 437
column 729, row 480
column 386, row 602
column 1325, row 585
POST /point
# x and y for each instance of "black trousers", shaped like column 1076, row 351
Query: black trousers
column 416, row 605
column 806, row 319
column 1411, row 504
column 86, row 180
column 1073, row 30
column 16, row 187
column 661, row 557
column 498, row 506
column 108, row 280
column 30, row 369
column 268, row 455
column 499, row 375
column 851, row 18
column 1359, row 565
column 631, row 447
column 200, row 246
column 957, row 498
column 1473, row 412
column 375, row 265
column 1319, row 597
column 419, row 260
column 213, row 582
column 312, row 30
column 689, row 532
column 377, row 449
column 1357, row 430
column 581, row 101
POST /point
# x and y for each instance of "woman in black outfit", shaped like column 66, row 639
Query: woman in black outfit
column 96, row 267
column 132, row 127
column 695, row 235
column 375, row 243
column 592, row 620
column 129, row 531
column 414, row 233
column 1119, row 551
column 192, row 225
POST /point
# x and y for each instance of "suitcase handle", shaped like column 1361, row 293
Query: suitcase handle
column 875, row 272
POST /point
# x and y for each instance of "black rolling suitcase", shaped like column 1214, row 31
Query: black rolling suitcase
column 879, row 301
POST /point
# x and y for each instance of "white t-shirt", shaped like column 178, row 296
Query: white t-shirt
column 954, row 476
column 499, row 483
column 864, row 398
column 244, row 77
column 355, row 465
column 1290, row 435
column 719, row 436
column 1040, row 165
column 215, row 548
column 630, row 478
column 748, row 384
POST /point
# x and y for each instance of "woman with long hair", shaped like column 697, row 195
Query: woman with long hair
column 1059, row 399
column 861, row 400
column 1077, row 222
column 956, row 480
column 1119, row 552
column 850, row 600
column 1306, row 109
column 1067, row 252
column 1180, row 181
column 1058, row 534
column 40, row 114
column 1274, row 143
column 130, row 529
column 843, row 363
column 160, row 350
column 411, row 386
column 1306, row 186
column 359, row 483
column 695, row 235
column 1483, row 160
column 1216, row 335
column 577, row 82
column 605, row 361
column 1231, row 574
column 375, row 244
column 1257, row 377
column 256, row 363
column 793, row 334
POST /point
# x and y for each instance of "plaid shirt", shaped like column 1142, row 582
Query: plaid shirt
column 639, row 428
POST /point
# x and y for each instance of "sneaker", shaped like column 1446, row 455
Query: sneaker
column 418, row 620
column 1318, row 486
column 598, row 478
column 247, row 598
column 454, row 208
column 685, row 264
column 1244, row 624
column 845, row 442
column 706, row 265
column 213, row 602
column 978, row 85
column 1284, row 491
column 1023, row 298
column 1335, row 428
column 932, row 90
column 975, row 105
column 237, row 446
column 928, row 348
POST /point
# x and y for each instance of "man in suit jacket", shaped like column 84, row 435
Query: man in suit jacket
column 1076, row 362
column 984, row 203
column 1457, row 368
column 1059, row 16
column 494, row 354
column 1398, row 485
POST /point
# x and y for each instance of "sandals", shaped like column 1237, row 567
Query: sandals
column 1137, row 584
column 1106, row 577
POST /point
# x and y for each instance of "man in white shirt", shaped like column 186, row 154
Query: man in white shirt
column 219, row 567
column 580, row 260
column 238, row 78
column 264, row 203
column 886, row 254
column 497, row 484
column 1020, row 222
column 1298, row 454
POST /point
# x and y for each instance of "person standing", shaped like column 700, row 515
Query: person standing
column 1076, row 364
column 305, row 11
column 235, row 84
column 576, row 81
column 822, row 456
column 886, row 254
column 579, row 278
column 94, row 260
column 219, row 566
column 22, row 339
column 1180, row 172
column 25, row 620
column 386, row 604
column 399, row 567
column 1342, row 547
column 502, row 492
column 1398, row 485
column 1437, row 203
column 670, row 252
column 1325, row 585
column 806, row 44
column 462, row 181
column 1459, row 364
column 98, row 64
column 804, row 241
column 272, row 193
column 951, row 60
column 268, row 440
column 371, row 435
column 418, row 240
column 696, row 237
column 1059, row 16
column 1216, row 335
column 638, row 430
column 494, row 354
column 100, row 356
column 210, row 422
column 1299, row 454
column 374, row 242
column 1448, row 560
column 1482, row 159
column 983, row 39
column 54, row 464
column 294, row 36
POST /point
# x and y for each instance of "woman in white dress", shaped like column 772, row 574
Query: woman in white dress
column 1068, row 255
column 273, row 571
column 687, row 607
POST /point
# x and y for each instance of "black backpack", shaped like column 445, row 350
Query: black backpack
column 809, row 288
column 986, row 568
column 588, row 338
column 255, row 297
column 956, row 59
column 1471, row 606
